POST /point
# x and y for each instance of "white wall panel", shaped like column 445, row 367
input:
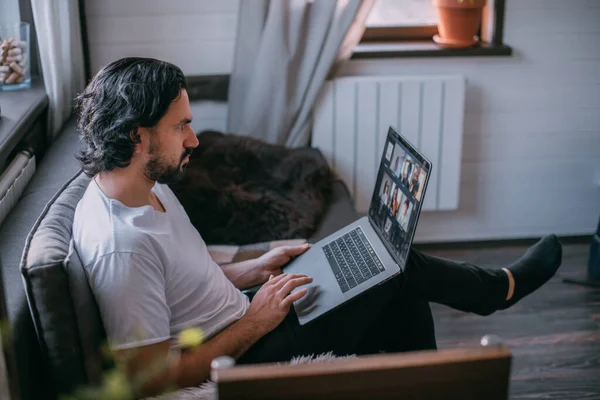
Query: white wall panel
column 531, row 143
column 196, row 35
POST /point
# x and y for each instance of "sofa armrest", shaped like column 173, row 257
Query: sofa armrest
column 341, row 211
column 339, row 214
column 477, row 373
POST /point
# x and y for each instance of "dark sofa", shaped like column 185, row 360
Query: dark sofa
column 36, row 375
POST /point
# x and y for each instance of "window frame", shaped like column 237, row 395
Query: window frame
column 491, row 32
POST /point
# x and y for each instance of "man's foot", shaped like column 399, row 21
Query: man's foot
column 533, row 269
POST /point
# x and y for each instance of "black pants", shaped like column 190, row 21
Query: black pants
column 392, row 317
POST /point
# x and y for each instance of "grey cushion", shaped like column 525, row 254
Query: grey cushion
column 64, row 313
column 57, row 166
column 340, row 212
column 89, row 321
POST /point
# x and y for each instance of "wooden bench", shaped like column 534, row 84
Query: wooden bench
column 477, row 373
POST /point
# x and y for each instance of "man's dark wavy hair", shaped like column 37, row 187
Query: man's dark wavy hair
column 127, row 94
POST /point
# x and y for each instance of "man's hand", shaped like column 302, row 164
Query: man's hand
column 272, row 302
column 271, row 262
column 250, row 273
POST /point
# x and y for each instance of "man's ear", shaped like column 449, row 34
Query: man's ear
column 136, row 138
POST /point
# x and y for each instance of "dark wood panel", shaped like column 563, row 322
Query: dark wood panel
column 476, row 373
column 208, row 87
column 554, row 334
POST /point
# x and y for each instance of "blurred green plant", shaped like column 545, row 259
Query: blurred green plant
column 190, row 338
column 117, row 385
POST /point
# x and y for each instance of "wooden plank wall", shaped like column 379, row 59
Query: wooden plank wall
column 196, row 35
column 531, row 145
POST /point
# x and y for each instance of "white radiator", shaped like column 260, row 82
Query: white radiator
column 351, row 120
column 13, row 181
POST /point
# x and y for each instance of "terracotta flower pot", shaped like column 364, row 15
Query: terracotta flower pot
column 458, row 22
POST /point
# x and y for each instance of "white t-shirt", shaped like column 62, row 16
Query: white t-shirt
column 150, row 272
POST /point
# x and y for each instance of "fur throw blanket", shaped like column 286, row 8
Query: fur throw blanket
column 207, row 391
column 239, row 190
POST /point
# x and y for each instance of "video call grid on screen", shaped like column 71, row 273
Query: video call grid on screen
column 398, row 191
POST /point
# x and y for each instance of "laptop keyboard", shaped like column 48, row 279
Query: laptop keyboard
column 352, row 259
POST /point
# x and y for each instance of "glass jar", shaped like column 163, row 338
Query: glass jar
column 14, row 56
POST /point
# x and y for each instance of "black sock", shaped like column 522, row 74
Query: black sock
column 534, row 268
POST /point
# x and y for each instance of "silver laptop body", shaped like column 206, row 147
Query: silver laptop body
column 374, row 248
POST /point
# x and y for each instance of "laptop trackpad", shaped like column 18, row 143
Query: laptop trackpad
column 323, row 293
column 309, row 303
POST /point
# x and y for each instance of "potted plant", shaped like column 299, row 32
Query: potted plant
column 458, row 22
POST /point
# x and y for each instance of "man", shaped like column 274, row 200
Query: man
column 404, row 216
column 396, row 165
column 406, row 171
column 385, row 195
column 414, row 182
column 152, row 276
column 395, row 202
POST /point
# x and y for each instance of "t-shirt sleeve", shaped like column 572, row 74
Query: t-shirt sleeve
column 130, row 291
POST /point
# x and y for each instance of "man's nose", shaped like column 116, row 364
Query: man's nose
column 191, row 139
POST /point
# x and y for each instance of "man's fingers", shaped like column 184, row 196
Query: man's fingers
column 283, row 281
column 287, row 302
column 277, row 280
column 295, row 250
column 293, row 284
column 274, row 279
column 272, row 274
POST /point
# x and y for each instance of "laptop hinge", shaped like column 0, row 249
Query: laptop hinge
column 391, row 251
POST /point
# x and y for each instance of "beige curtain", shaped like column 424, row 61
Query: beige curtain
column 285, row 50
column 61, row 56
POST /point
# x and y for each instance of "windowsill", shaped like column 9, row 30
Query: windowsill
column 424, row 49
column 20, row 109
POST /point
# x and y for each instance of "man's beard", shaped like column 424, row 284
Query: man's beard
column 160, row 170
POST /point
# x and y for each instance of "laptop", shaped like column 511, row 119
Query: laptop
column 374, row 248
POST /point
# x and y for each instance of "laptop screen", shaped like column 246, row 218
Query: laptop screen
column 398, row 195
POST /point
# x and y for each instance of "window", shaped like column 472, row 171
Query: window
column 393, row 20
column 405, row 28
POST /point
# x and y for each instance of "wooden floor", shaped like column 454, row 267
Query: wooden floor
column 554, row 334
